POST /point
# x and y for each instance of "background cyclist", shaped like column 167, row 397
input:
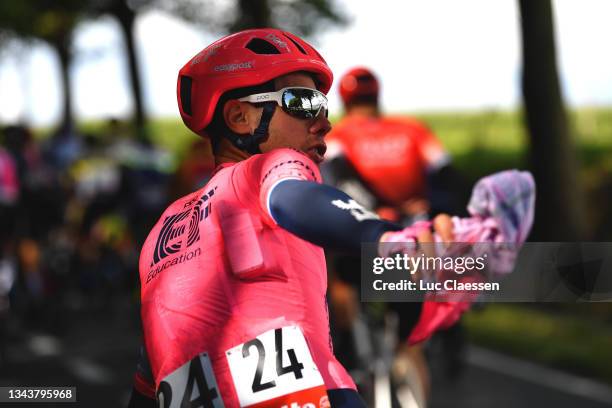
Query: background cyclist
column 393, row 165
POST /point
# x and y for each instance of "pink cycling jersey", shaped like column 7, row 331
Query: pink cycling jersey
column 216, row 272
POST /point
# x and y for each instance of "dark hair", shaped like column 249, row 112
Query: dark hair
column 360, row 100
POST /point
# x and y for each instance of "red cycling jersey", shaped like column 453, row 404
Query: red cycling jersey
column 390, row 154
column 231, row 302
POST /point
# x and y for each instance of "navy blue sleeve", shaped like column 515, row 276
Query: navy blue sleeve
column 324, row 215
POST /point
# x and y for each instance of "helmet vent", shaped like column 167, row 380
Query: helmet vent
column 259, row 46
column 186, row 94
column 297, row 45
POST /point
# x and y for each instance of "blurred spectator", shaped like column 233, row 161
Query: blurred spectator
column 194, row 170
column 9, row 181
column 9, row 194
column 72, row 209
column 64, row 147
column 145, row 174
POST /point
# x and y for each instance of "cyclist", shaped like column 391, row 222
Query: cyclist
column 393, row 165
column 403, row 169
column 233, row 275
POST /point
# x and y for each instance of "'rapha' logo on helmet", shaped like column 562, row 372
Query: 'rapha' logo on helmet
column 182, row 230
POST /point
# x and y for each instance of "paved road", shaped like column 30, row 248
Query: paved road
column 96, row 352
column 491, row 379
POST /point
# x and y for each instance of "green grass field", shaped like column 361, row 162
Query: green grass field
column 571, row 338
column 478, row 141
column 488, row 141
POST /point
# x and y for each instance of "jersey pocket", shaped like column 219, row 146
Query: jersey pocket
column 246, row 242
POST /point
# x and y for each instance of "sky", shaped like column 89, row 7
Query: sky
column 430, row 55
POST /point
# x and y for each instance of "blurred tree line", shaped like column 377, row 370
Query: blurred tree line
column 552, row 156
column 54, row 22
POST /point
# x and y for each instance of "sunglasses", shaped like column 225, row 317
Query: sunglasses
column 299, row 102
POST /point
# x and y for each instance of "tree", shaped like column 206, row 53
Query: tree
column 125, row 12
column 53, row 21
column 302, row 17
column 558, row 206
column 50, row 21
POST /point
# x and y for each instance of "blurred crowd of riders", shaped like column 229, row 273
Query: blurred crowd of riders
column 74, row 211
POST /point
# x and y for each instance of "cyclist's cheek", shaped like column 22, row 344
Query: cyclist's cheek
column 285, row 131
column 321, row 126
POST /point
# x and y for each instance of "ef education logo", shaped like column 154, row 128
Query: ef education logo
column 180, row 231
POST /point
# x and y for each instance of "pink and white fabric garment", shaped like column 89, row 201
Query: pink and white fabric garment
column 502, row 210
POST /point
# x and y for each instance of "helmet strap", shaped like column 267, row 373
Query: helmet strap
column 251, row 143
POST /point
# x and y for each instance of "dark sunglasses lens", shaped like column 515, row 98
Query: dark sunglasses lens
column 304, row 103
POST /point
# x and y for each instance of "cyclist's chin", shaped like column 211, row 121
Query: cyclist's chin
column 315, row 154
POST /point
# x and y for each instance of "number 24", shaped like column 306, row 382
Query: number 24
column 294, row 366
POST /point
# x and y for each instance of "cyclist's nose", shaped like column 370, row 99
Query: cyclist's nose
column 321, row 125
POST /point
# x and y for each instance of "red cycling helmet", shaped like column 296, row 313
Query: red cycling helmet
column 358, row 82
column 247, row 58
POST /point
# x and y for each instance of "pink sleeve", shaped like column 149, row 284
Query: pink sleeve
column 283, row 164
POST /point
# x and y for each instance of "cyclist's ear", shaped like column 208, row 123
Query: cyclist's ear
column 241, row 117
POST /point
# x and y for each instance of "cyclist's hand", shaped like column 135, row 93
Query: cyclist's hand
column 443, row 227
column 405, row 241
column 409, row 239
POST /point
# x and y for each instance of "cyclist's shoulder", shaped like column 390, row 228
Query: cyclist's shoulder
column 278, row 159
column 185, row 203
column 257, row 162
column 258, row 173
column 279, row 154
column 285, row 163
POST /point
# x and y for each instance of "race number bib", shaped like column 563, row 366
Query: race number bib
column 275, row 369
column 191, row 385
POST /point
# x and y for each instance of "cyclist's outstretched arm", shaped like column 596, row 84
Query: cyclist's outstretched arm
column 324, row 215
column 330, row 218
